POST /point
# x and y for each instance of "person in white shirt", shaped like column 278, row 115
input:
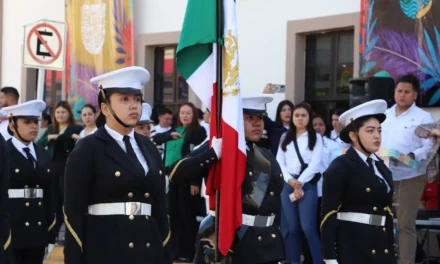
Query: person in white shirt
column 8, row 97
column 202, row 121
column 337, row 127
column 399, row 133
column 299, row 156
column 88, row 117
column 357, row 223
column 165, row 117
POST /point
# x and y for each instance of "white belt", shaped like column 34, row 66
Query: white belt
column 376, row 220
column 25, row 193
column 258, row 220
column 131, row 208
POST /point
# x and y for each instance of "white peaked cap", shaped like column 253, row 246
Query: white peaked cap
column 28, row 109
column 146, row 114
column 256, row 104
column 125, row 80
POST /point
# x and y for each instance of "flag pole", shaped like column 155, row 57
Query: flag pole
column 219, row 96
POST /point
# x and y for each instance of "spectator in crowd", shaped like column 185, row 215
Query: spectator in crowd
column 60, row 142
column 165, row 117
column 202, row 122
column 398, row 133
column 9, row 96
column 143, row 126
column 184, row 200
column 88, row 118
column 337, row 127
column 44, row 123
column 299, row 156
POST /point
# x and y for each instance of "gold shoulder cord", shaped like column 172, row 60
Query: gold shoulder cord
column 329, row 214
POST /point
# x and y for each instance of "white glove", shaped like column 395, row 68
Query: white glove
column 217, row 146
column 331, row 261
column 48, row 250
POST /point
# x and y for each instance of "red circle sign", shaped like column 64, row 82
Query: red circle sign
column 54, row 55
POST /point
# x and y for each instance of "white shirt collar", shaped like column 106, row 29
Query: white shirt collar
column 20, row 146
column 364, row 158
column 407, row 111
column 116, row 135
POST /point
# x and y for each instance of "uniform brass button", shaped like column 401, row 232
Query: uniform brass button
column 373, row 251
column 386, row 251
column 160, row 172
column 26, row 224
column 384, row 229
column 272, row 193
column 274, row 236
column 48, row 170
column 147, row 217
column 39, row 223
column 207, row 161
column 375, row 208
column 37, row 186
column 130, row 194
column 281, row 175
column 147, row 195
column 17, row 170
column 212, row 158
column 117, row 174
column 39, row 203
column 27, row 204
column 272, row 214
column 26, row 186
column 260, row 238
column 201, row 164
column 384, row 208
column 368, row 190
column 250, row 173
column 130, row 245
column 131, row 217
column 148, row 245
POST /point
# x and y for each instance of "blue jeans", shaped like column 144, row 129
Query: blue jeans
column 301, row 215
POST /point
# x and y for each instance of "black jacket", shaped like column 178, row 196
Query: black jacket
column 32, row 219
column 350, row 186
column 5, row 230
column 99, row 171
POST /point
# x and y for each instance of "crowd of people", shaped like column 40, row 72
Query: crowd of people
column 134, row 192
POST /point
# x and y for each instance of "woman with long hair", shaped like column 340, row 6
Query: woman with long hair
column 184, row 199
column 60, row 141
column 357, row 223
column 88, row 117
column 299, row 156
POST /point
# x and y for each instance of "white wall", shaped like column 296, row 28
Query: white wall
column 262, row 26
column 17, row 14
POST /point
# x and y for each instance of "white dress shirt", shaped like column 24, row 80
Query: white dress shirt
column 119, row 139
column 82, row 134
column 289, row 161
column 337, row 139
column 398, row 133
column 328, row 156
column 20, row 146
column 376, row 171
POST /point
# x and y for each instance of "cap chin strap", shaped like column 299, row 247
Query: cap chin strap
column 111, row 109
column 362, row 145
column 18, row 133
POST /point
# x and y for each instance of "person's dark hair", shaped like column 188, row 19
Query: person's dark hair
column 411, row 79
column 163, row 111
column 199, row 113
column 323, row 121
column 101, row 97
column 280, row 106
column 358, row 123
column 11, row 91
column 89, row 106
column 46, row 117
column 291, row 133
column 194, row 122
column 339, row 111
column 70, row 120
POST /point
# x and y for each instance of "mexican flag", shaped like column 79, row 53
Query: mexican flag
column 196, row 61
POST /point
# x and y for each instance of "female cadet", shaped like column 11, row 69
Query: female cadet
column 143, row 126
column 115, row 208
column 31, row 187
column 258, row 240
column 357, row 223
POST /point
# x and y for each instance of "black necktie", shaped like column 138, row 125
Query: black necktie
column 370, row 165
column 30, row 158
column 130, row 152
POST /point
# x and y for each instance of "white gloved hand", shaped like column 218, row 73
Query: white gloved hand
column 331, row 261
column 217, row 146
column 48, row 250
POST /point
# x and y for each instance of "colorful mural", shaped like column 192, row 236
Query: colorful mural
column 99, row 40
column 399, row 37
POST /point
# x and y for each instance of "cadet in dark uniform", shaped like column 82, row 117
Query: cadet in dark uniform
column 115, row 209
column 5, row 230
column 259, row 239
column 143, row 125
column 31, row 188
column 357, row 222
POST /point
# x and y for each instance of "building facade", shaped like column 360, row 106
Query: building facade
column 307, row 49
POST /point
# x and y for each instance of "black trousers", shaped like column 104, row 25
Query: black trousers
column 28, row 255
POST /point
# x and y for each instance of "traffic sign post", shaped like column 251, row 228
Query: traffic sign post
column 44, row 45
